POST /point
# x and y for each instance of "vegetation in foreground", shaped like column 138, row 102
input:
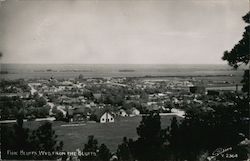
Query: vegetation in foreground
column 197, row 136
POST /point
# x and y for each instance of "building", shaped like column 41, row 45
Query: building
column 76, row 114
column 106, row 117
column 122, row 113
column 134, row 112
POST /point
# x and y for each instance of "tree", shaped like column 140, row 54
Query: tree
column 90, row 149
column 205, row 129
column 10, row 107
column 103, row 153
column 123, row 151
column 151, row 144
column 173, row 138
column 40, row 101
column 240, row 54
column 92, row 144
column 246, row 81
column 59, row 116
column 44, row 138
column 80, row 77
column 17, row 138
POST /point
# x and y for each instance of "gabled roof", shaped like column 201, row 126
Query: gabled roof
column 100, row 112
column 122, row 110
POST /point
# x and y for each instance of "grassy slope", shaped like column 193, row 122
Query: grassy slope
column 110, row 134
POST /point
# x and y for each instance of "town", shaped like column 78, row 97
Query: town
column 102, row 100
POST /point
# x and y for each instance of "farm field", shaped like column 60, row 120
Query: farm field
column 111, row 134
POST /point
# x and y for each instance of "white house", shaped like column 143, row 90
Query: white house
column 134, row 112
column 51, row 105
column 122, row 113
column 106, row 117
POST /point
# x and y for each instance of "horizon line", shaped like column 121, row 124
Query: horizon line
column 115, row 63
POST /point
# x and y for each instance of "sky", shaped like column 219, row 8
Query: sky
column 119, row 31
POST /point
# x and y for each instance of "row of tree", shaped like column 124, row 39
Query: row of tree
column 196, row 137
column 16, row 138
column 202, row 131
column 10, row 107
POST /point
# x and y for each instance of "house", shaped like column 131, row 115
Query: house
column 134, row 112
column 104, row 116
column 122, row 113
column 77, row 117
column 76, row 114
column 50, row 105
column 107, row 117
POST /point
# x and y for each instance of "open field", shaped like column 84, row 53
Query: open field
column 111, row 134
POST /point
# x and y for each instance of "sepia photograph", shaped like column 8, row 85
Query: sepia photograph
column 124, row 80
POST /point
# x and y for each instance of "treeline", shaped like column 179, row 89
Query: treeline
column 34, row 107
column 196, row 137
column 14, row 86
column 16, row 138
